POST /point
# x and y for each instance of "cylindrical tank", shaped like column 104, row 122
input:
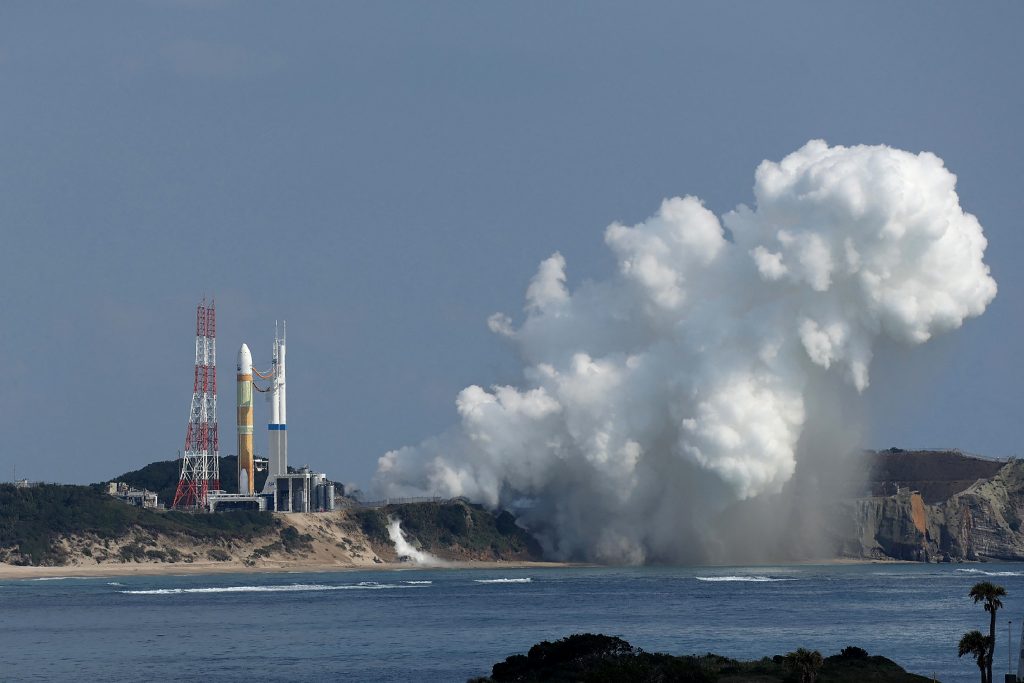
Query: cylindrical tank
column 329, row 497
column 246, row 468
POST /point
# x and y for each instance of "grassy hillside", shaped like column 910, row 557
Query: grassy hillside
column 32, row 521
column 440, row 526
column 162, row 477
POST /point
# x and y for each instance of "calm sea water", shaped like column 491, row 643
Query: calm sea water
column 449, row 625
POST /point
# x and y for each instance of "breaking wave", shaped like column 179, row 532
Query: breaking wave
column 985, row 573
column 523, row 580
column 295, row 587
column 418, row 583
column 749, row 579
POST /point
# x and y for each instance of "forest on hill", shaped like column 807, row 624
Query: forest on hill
column 34, row 520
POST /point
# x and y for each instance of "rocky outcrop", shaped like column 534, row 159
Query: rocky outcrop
column 893, row 527
column 937, row 475
column 984, row 521
column 978, row 523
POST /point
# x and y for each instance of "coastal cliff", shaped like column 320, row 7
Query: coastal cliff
column 926, row 506
column 980, row 522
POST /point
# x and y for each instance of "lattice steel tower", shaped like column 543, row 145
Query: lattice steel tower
column 200, row 464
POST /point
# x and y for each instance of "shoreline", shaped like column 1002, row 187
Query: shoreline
column 16, row 572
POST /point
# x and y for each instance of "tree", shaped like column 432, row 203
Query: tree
column 989, row 593
column 805, row 663
column 976, row 644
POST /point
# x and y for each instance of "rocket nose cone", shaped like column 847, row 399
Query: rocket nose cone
column 244, row 361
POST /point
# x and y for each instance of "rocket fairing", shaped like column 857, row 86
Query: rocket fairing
column 246, row 468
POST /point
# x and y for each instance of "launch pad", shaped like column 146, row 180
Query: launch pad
column 285, row 489
column 218, row 501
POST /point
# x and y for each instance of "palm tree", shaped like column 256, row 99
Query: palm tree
column 990, row 594
column 806, row 663
column 974, row 643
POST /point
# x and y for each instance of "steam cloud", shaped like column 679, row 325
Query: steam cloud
column 654, row 399
column 405, row 549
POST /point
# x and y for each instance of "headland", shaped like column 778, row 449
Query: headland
column 917, row 506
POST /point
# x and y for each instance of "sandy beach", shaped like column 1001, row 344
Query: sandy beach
column 8, row 572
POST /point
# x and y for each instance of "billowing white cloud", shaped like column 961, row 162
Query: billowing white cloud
column 653, row 399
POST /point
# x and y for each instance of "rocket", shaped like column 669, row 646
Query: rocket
column 277, row 429
column 246, row 469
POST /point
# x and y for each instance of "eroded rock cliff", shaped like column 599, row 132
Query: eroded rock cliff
column 978, row 523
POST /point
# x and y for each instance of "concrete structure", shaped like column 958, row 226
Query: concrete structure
column 137, row 497
column 218, row 501
column 302, row 491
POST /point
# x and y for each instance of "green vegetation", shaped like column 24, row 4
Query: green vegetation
column 973, row 642
column 374, row 523
column 598, row 658
column 218, row 555
column 804, row 664
column 162, row 477
column 294, row 542
column 290, row 541
column 33, row 520
column 440, row 526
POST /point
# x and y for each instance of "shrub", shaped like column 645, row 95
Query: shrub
column 132, row 552
column 292, row 541
column 218, row 555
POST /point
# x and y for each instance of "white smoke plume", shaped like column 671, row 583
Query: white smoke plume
column 654, row 399
column 405, row 549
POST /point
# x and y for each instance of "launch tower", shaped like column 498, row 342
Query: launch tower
column 200, row 464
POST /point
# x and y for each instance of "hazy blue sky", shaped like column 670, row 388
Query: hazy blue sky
column 385, row 176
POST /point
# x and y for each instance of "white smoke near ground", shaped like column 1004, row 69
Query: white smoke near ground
column 655, row 399
column 405, row 549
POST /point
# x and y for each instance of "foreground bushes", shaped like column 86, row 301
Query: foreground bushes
column 600, row 658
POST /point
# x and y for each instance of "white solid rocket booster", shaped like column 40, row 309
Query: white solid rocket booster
column 277, row 429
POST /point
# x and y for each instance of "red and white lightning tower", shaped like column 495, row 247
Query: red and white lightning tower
column 200, row 465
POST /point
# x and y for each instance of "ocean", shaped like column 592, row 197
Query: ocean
column 450, row 625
